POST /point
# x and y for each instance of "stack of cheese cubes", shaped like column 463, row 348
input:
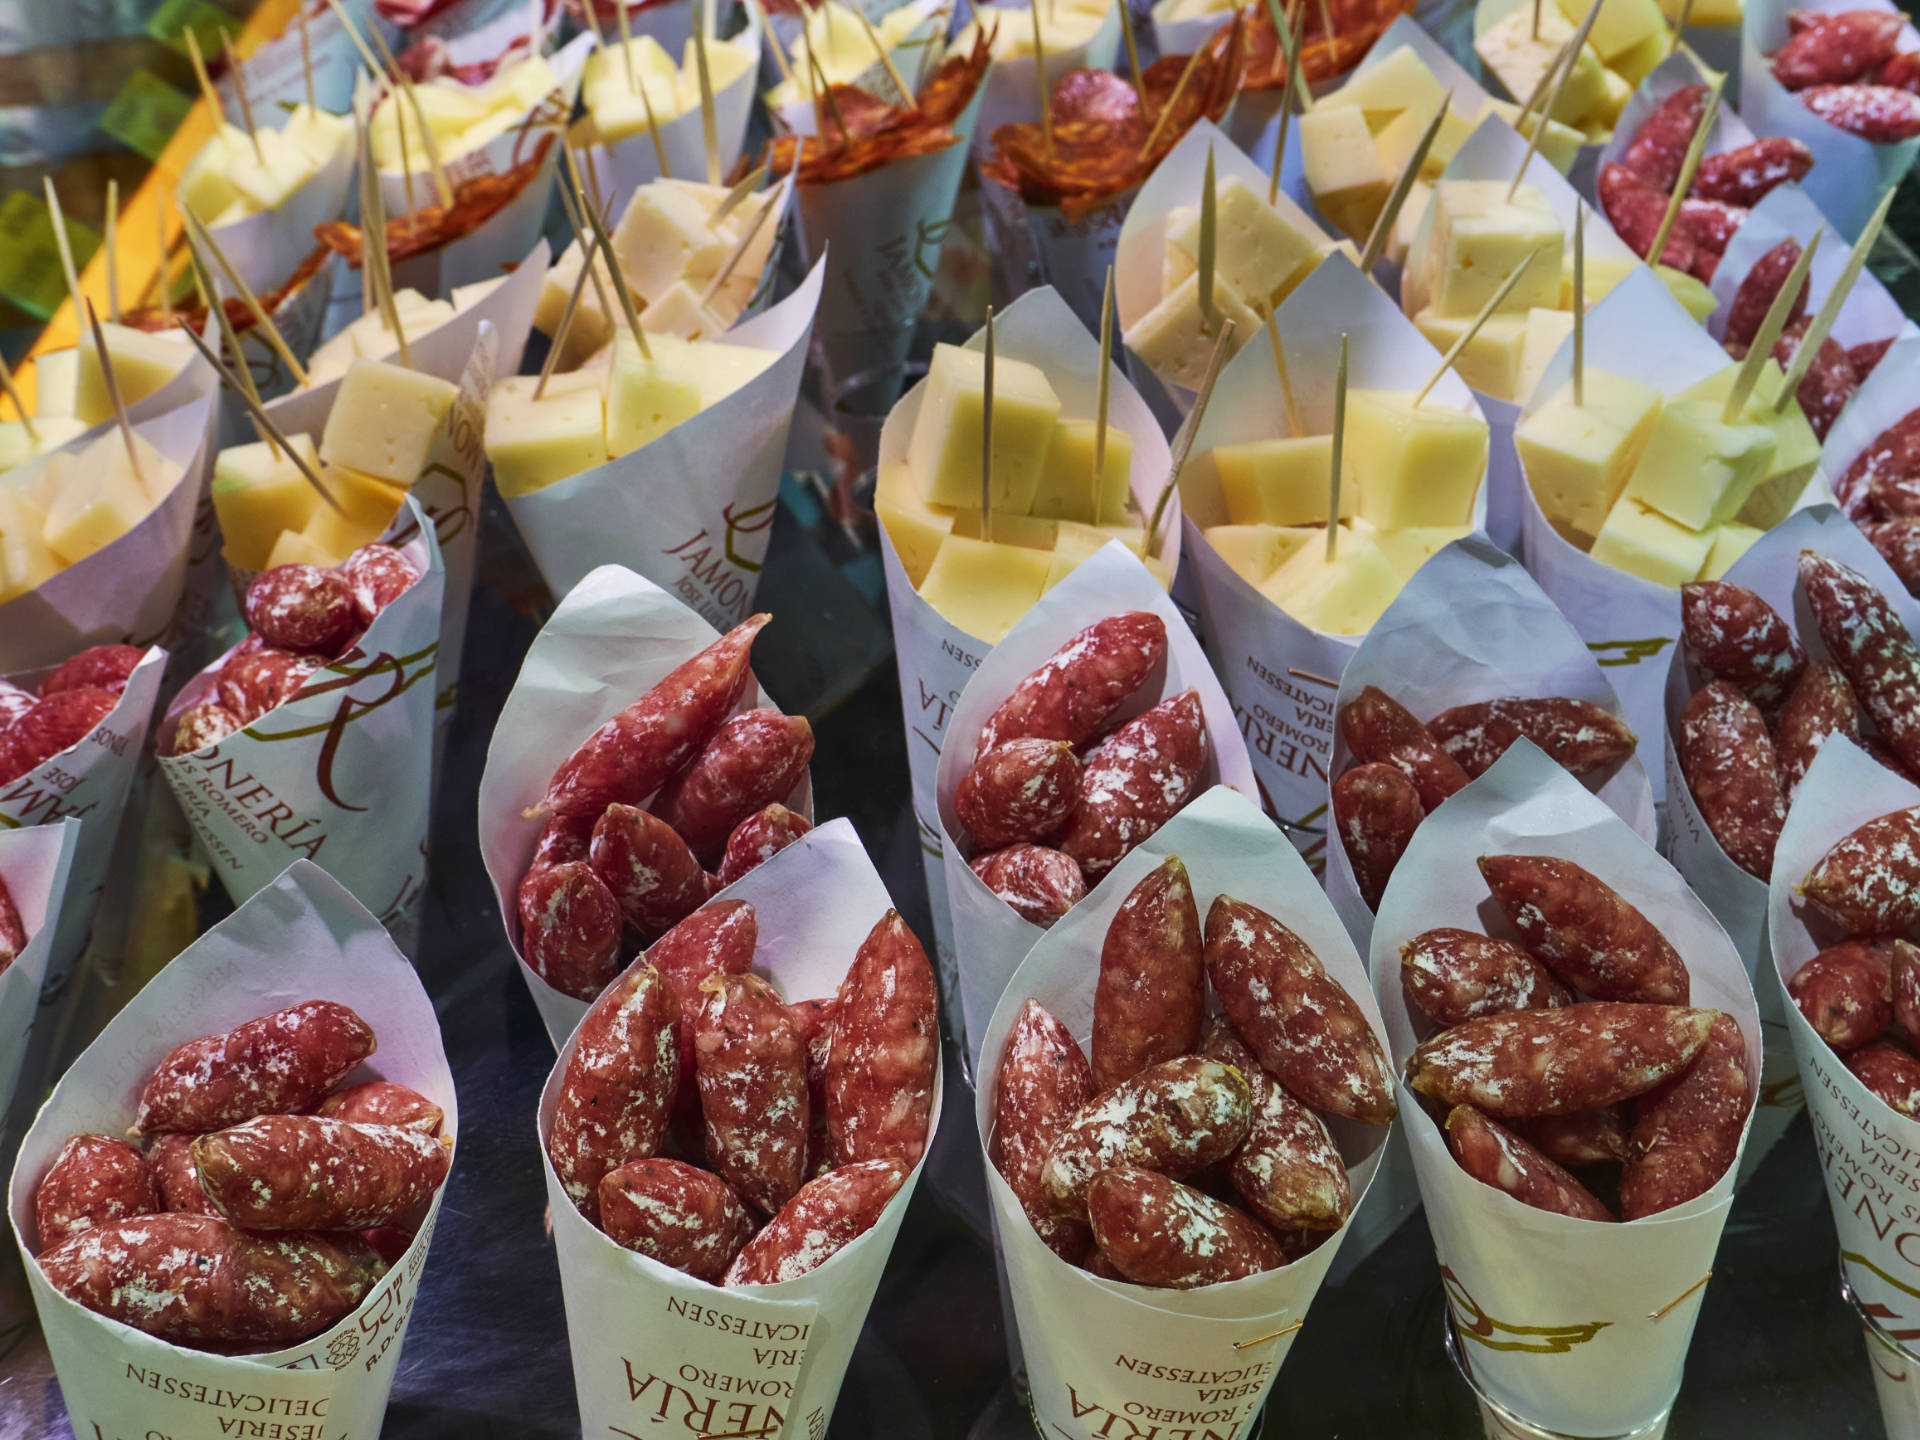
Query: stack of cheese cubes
column 1629, row 38
column 462, row 118
column 378, row 435
column 71, row 394
column 1258, row 259
column 1047, row 511
column 368, row 338
column 1408, row 479
column 841, row 48
column 1666, row 489
column 1064, row 25
column 617, row 109
column 588, row 417
column 54, row 422
column 229, row 178
column 74, row 503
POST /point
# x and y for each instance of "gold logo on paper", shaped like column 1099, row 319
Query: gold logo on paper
column 1878, row 1311
column 747, row 522
column 1628, row 652
column 405, row 671
column 1476, row 1325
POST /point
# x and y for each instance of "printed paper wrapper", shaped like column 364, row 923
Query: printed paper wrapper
column 1013, row 92
column 1631, row 624
column 126, row 592
column 1074, row 252
column 611, row 640
column 1581, row 1328
column 1886, row 395
column 300, row 319
column 302, row 938
column 641, row 1331
column 35, row 863
column 339, row 775
column 267, row 247
column 1849, row 174
column 1176, row 181
column 1896, row 1381
column 1586, row 161
column 1281, row 675
column 990, row 938
column 800, row 118
column 88, row 781
column 1472, row 625
column 1099, row 1351
column 692, row 510
column 935, row 656
column 276, row 73
column 1859, row 1137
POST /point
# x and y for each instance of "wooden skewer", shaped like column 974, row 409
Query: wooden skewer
column 160, row 249
column 1579, row 302
column 1535, row 33
column 1133, row 55
column 626, row 46
column 1768, row 335
column 823, row 92
column 1337, row 457
column 1209, row 244
column 265, row 421
column 1179, row 85
column 1566, row 62
column 725, row 272
column 936, row 37
column 620, row 289
column 754, row 180
column 1040, row 78
column 591, row 264
column 986, row 438
column 1326, row 29
column 1389, row 215
column 709, row 124
column 383, row 275
column 898, row 80
column 1101, row 391
column 560, row 333
column 306, row 58
column 593, row 23
column 245, row 291
column 61, row 244
column 240, row 90
column 442, row 186
column 207, row 92
column 7, row 387
column 1473, row 329
column 1696, row 148
column 1183, row 440
column 1293, row 86
column 231, row 340
column 111, row 243
column 113, row 391
column 1829, row 312
column 653, row 124
column 1280, row 368
column 1680, row 22
column 771, row 41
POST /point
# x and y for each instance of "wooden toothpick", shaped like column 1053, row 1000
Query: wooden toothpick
column 398, row 79
column 653, row 125
column 560, row 331
column 725, row 272
column 1173, row 100
column 198, row 232
column 1339, row 445
column 376, row 219
column 231, row 340
column 1100, row 394
column 111, row 243
column 240, row 90
column 1209, row 243
column 1183, row 439
column 1829, row 312
column 1040, row 78
column 1696, row 148
column 160, row 249
column 1473, row 328
column 20, row 408
column 1565, row 63
column 1133, row 55
column 1280, row 368
column 62, row 246
column 709, row 133
column 601, row 238
column 1768, row 335
column 1389, row 215
column 898, row 80
column 207, row 92
column 113, row 391
column 1579, row 302
column 1289, row 36
column 306, row 58
column 741, row 190
column 589, row 250
column 771, row 41
column 986, row 438
column 265, row 421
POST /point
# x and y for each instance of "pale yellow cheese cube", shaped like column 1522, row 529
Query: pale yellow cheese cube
column 99, row 499
column 1639, row 61
column 330, row 359
column 142, row 362
column 518, row 88
column 1280, row 482
column 365, row 503
column 1400, row 81
column 294, row 547
column 592, row 326
column 1694, row 296
column 1730, row 542
column 1706, row 14
column 662, row 236
column 1796, row 453
column 1577, row 458
column 56, row 374
column 204, row 187
column 1176, row 264
column 265, row 179
column 372, row 340
column 1600, row 278
column 727, row 60
column 719, row 368
column 1256, row 551
column 1075, row 544
column 1480, row 236
column 944, row 451
column 1614, row 94
column 1509, row 48
column 532, row 443
column 258, row 493
column 1175, row 340
column 1407, row 549
column 1067, row 488
column 1256, row 253
column 1401, row 137
column 1620, row 25
column 1547, row 330
column 1030, row 531
column 1646, row 543
column 620, row 111
column 916, row 528
column 646, row 397
column 1344, row 172
column 317, row 134
column 1344, row 597
column 384, row 420
column 1491, row 361
column 1412, row 466
column 677, row 311
column 984, row 588
column 16, row 445
column 1697, row 470
column 1560, row 145
column 25, row 560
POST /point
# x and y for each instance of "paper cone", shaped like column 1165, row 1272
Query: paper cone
column 276, row 73
column 1887, row 394
column 300, row 317
column 88, row 781
column 265, row 248
column 340, row 775
column 1581, row 1328
column 1280, row 675
column 1873, row 1202
column 125, row 592
column 1472, row 625
column 457, row 21
column 1632, row 625
column 1896, row 1379
column 1183, row 37
column 1207, row 1356
column 1012, row 91
column 670, row 22
column 937, row 658
column 1788, row 211
column 798, row 117
column 302, row 938
column 35, row 863
column 1586, row 161
column 611, row 640
column 1849, row 174
column 655, row 1349
column 1075, row 251
column 990, row 938
column 693, row 510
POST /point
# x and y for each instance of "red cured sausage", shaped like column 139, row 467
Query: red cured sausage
column 1729, row 762
column 1043, row 1082
column 1889, row 1072
column 1636, row 211
column 1870, row 880
column 1660, row 149
column 376, row 576
column 1378, row 728
column 885, row 1048
column 569, row 928
column 1151, row 995
column 250, row 685
column 1734, row 635
column 1880, row 113
column 1082, row 684
column 1906, row 988
column 1581, row 736
column 381, row 1102
column 1822, row 704
column 1288, row 1170
column 1584, row 930
column 1686, row 1133
column 1376, row 810
column 1136, row 780
column 1846, row 991
column 301, row 607
column 680, row 1216
column 1871, row 646
column 13, row 931
column 306, row 1172
column 58, row 722
column 1755, row 297
column 1039, row 885
column 652, row 875
column 753, row 760
column 752, row 1070
column 1898, row 541
column 1156, row 1231
column 170, row 1158
column 1454, row 975
column 1829, row 383
column 826, row 1216
column 1746, row 174
column 98, row 667
column 1494, row 1155
column 1837, row 47
column 197, row 727
column 279, row 1064
column 94, row 1180
column 1018, row 792
column 1585, row 1137
column 758, row 838
column 716, row 939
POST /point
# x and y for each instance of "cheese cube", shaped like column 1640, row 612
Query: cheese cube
column 1602, row 275
column 1637, row 62
column 1407, row 549
column 56, row 374
column 1620, row 25
column 662, row 235
column 1256, row 253
column 372, row 340
column 1028, row 531
column 1412, row 466
column 719, row 369
column 1646, row 543
column 1175, row 340
column 258, row 494
column 1406, row 225
column 142, row 363
column 368, row 508
column 204, row 187
column 25, row 560
column 1796, row 453
column 1341, row 598
column 1560, row 145
column 1176, row 265
column 265, row 179
column 1344, row 173
column 1067, row 488
column 1546, row 331
column 1509, row 49
column 316, row 134
column 1280, row 481
column 592, row 327
column 384, row 420
column 295, row 548
column 1491, row 362
column 1577, row 458
column 620, row 112
column 727, row 60
column 984, row 588
column 99, row 499
column 1400, row 82
column 1697, row 470
column 1695, row 298
column 330, row 359
column 519, row 88
column 1256, row 551
column 531, row 443
column 16, row 445
column 944, row 451
column 1077, row 544
column 1479, row 236
column 1706, row 13
column 646, row 397
column 1401, row 138
column 916, row 528
column 1614, row 94
column 677, row 311
column 1730, row 542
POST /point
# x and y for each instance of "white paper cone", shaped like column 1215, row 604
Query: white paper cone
column 1183, row 37
column 300, row 318
column 265, row 248
column 1849, row 174
column 339, row 775
column 276, row 74
column 693, row 510
column 1887, row 395
column 1073, row 1326
column 1470, row 626
column 798, row 117
column 126, row 592
column 1012, row 92
column 990, row 938
column 1075, row 252
column 653, row 1348
column 937, row 658
column 611, row 640
column 1569, row 1323
column 302, row 938
column 1631, row 625
column 1280, row 675
column 35, row 863
column 670, row 22
column 1896, row 1382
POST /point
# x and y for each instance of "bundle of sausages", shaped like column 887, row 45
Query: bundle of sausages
column 672, row 784
column 13, row 931
column 1403, row 769
column 1528, row 1080
column 808, row 1116
column 268, row 1202
column 1053, row 802
column 1746, row 737
column 1835, row 374
column 1845, row 68
column 300, row 618
column 1880, row 492
column 1096, row 1151
column 37, row 725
